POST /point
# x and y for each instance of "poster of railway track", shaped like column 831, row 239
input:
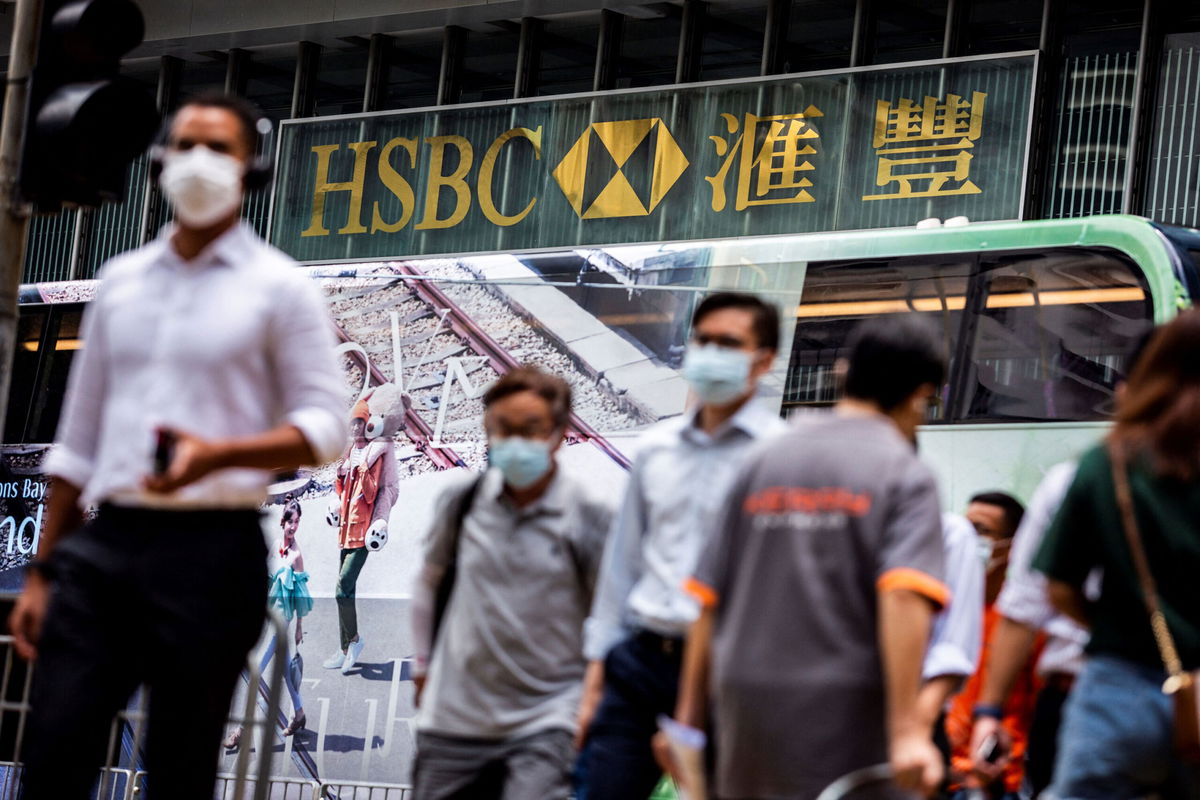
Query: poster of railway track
column 419, row 342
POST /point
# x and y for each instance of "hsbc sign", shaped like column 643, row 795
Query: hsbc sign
column 869, row 148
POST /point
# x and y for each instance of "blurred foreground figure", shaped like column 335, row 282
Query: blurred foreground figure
column 819, row 587
column 209, row 341
column 498, row 609
column 677, row 486
column 1134, row 498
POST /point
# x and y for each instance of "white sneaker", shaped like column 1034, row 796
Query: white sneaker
column 335, row 661
column 352, row 656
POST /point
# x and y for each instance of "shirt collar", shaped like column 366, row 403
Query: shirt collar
column 552, row 501
column 228, row 249
column 753, row 419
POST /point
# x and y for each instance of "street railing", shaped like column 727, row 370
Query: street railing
column 121, row 778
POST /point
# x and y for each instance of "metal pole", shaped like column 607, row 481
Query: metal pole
column 14, row 213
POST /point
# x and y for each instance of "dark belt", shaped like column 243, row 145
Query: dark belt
column 667, row 645
column 1059, row 681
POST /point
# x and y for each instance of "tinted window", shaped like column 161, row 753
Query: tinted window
column 47, row 340
column 1052, row 335
column 1041, row 336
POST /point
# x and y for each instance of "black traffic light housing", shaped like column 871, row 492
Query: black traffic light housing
column 86, row 123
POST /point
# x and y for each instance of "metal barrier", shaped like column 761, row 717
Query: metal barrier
column 122, row 778
column 359, row 790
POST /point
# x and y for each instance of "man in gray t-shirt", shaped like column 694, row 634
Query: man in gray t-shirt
column 497, row 715
column 819, row 586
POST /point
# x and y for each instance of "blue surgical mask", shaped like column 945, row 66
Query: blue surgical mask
column 717, row 375
column 523, row 462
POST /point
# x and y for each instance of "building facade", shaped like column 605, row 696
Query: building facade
column 1112, row 101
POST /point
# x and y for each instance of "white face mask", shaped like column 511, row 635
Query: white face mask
column 202, row 185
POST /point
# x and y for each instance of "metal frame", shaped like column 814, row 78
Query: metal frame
column 261, row 728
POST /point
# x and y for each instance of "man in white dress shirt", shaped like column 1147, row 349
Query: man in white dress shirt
column 211, row 335
column 677, row 487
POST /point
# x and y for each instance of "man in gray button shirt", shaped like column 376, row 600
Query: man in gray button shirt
column 676, row 488
column 497, row 716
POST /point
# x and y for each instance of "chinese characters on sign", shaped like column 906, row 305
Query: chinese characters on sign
column 925, row 150
column 775, row 168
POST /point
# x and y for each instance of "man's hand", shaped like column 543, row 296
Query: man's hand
column 192, row 459
column 27, row 615
column 916, row 763
column 299, row 633
column 986, row 727
column 662, row 754
column 593, row 691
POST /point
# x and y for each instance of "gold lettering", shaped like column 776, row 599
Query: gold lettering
column 488, row 166
column 323, row 186
column 438, row 181
column 398, row 186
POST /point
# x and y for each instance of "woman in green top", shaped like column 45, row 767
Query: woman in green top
column 1116, row 736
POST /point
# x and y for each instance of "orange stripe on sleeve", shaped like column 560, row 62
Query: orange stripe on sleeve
column 914, row 581
column 701, row 591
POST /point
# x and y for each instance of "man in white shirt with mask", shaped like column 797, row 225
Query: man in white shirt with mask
column 208, row 363
column 677, row 486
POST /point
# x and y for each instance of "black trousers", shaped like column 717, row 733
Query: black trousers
column 1043, row 733
column 171, row 599
column 641, row 681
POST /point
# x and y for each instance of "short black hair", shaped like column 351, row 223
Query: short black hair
column 766, row 317
column 891, row 356
column 1011, row 506
column 246, row 112
column 528, row 378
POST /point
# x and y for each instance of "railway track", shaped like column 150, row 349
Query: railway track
column 411, row 326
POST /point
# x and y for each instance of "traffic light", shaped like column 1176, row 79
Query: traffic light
column 85, row 123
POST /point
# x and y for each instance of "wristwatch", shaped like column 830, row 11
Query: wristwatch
column 988, row 710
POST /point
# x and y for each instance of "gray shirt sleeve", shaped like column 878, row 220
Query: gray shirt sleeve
column 911, row 554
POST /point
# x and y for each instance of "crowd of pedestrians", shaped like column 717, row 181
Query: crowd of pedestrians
column 792, row 599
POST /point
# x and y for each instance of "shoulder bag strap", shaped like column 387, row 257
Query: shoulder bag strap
column 1162, row 634
column 445, row 587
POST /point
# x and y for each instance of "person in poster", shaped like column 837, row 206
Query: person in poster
column 365, row 490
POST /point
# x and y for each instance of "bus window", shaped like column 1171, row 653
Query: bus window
column 43, row 416
column 47, row 339
column 836, row 296
column 1051, row 334
column 31, row 326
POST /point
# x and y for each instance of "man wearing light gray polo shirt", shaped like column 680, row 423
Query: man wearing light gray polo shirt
column 497, row 715
column 677, row 486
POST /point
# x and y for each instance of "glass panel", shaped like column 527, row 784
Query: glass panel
column 205, row 74
column 271, row 80
column 43, row 419
column 568, row 59
column 819, row 35
column 48, row 252
column 733, row 41
column 1003, row 26
column 909, row 31
column 490, row 65
column 341, row 79
column 1173, row 191
column 1053, row 334
column 1094, row 108
column 649, row 46
column 30, row 326
column 838, row 296
column 414, row 64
